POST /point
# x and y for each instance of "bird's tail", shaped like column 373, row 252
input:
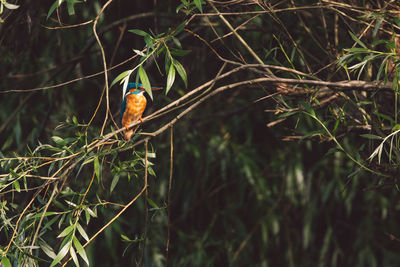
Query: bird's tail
column 130, row 133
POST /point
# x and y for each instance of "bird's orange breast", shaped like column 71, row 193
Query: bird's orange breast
column 135, row 105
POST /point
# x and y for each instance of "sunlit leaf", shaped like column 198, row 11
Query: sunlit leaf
column 10, row 6
column 61, row 254
column 140, row 53
column 73, row 256
column 66, row 231
column 82, row 232
column 145, row 81
column 120, row 77
column 80, row 250
column 181, row 71
column 170, row 78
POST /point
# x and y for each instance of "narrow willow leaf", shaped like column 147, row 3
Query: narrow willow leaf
column 80, row 249
column 5, row 262
column 371, row 136
column 97, row 168
column 152, row 203
column 10, row 6
column 73, row 256
column 91, row 213
column 181, row 71
column 120, row 77
column 198, row 4
column 51, row 222
column 70, row 7
column 114, row 183
column 396, row 127
column 53, row 7
column 138, row 32
column 61, row 254
column 48, row 213
column 176, row 41
column 145, row 81
column 66, row 231
column 179, row 52
column 180, row 28
column 167, row 62
column 170, row 78
column 17, row 186
column 358, row 41
column 47, row 249
column 149, row 43
column 381, row 68
column 125, row 238
column 82, row 232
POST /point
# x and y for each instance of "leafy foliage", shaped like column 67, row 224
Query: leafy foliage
column 275, row 142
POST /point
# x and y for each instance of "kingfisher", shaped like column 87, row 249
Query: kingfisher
column 132, row 107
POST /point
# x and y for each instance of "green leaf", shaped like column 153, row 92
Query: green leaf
column 396, row 127
column 120, row 77
column 5, row 262
column 152, row 203
column 10, row 6
column 149, row 42
column 199, row 6
column 97, row 167
column 73, row 256
column 181, row 71
column 80, row 250
column 58, row 140
column 381, row 67
column 47, row 249
column 308, row 108
column 91, row 213
column 371, row 136
column 145, row 81
column 179, row 52
column 61, row 254
column 53, row 7
column 170, row 78
column 17, row 186
column 70, row 7
column 176, row 41
column 125, row 238
column 82, row 232
column 180, row 28
column 114, row 183
column 138, row 32
column 358, row 41
column 66, row 231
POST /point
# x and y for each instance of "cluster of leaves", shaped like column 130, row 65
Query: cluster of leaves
column 5, row 4
column 240, row 194
column 157, row 45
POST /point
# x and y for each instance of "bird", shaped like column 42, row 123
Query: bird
column 132, row 107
